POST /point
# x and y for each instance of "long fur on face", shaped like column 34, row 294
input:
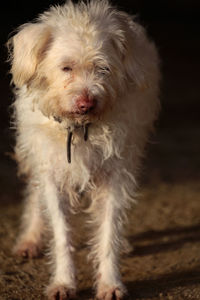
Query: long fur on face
column 70, row 56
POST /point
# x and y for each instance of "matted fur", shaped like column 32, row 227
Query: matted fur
column 72, row 54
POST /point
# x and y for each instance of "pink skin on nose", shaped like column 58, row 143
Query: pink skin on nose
column 84, row 104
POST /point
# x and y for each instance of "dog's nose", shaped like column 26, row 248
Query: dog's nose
column 85, row 104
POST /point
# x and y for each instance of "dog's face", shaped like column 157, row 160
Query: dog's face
column 77, row 65
column 78, row 78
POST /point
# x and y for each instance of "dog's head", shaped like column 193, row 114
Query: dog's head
column 79, row 60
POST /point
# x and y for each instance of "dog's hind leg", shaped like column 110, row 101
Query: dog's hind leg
column 29, row 243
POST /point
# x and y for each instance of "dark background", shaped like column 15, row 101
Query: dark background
column 175, row 28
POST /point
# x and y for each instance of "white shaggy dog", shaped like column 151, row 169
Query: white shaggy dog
column 86, row 80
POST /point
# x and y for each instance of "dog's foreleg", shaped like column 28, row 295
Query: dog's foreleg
column 29, row 242
column 62, row 285
column 107, row 244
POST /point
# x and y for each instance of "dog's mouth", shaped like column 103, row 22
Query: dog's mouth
column 83, row 112
column 81, row 117
column 78, row 117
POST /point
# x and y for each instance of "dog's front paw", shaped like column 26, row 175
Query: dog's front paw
column 60, row 292
column 106, row 292
column 27, row 249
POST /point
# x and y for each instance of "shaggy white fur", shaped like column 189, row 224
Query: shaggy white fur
column 81, row 64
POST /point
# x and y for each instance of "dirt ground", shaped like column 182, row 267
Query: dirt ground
column 164, row 228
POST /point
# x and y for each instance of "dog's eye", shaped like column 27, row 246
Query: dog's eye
column 104, row 71
column 67, row 69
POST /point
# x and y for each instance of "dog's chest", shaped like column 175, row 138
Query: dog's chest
column 86, row 161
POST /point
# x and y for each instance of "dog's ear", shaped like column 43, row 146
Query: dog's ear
column 139, row 55
column 26, row 49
